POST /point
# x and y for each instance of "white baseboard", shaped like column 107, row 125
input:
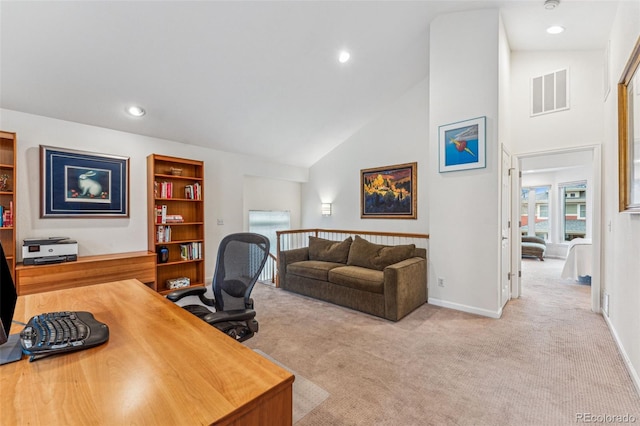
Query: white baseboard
column 465, row 308
column 632, row 371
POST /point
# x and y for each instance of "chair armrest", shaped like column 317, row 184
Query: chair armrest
column 176, row 295
column 405, row 287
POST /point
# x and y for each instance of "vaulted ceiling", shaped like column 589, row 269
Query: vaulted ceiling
column 253, row 77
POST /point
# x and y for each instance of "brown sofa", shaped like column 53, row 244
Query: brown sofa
column 386, row 281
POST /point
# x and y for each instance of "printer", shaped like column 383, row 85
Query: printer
column 41, row 251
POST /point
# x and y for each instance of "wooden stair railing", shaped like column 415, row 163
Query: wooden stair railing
column 269, row 271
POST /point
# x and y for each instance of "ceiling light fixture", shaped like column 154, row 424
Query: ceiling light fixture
column 136, row 111
column 551, row 4
column 556, row 29
column 344, row 56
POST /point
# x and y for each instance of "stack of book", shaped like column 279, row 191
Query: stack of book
column 191, row 251
column 193, row 192
column 162, row 216
column 163, row 189
column 163, row 234
column 6, row 216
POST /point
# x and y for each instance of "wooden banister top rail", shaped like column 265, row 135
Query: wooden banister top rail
column 342, row 231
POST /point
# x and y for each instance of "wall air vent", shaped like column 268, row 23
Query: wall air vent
column 550, row 92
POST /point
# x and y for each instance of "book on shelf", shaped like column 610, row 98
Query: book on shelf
column 191, row 251
column 6, row 216
column 193, row 192
column 174, row 218
column 163, row 189
column 161, row 214
column 163, row 234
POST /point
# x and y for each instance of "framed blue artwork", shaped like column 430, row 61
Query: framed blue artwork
column 83, row 184
column 462, row 145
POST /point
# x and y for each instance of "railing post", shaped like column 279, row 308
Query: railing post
column 275, row 269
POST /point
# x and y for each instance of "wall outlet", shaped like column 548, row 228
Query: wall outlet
column 440, row 282
column 220, row 222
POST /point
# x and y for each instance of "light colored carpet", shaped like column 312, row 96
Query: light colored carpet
column 548, row 360
column 306, row 394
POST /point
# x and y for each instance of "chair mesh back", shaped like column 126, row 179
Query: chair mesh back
column 241, row 258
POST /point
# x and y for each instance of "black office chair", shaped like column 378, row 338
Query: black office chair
column 241, row 258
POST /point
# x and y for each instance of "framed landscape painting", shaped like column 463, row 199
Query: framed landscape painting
column 389, row 192
column 83, row 184
column 462, row 145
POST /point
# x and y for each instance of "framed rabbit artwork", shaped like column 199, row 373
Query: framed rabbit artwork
column 83, row 184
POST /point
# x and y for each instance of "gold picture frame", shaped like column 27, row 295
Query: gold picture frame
column 389, row 192
column 629, row 134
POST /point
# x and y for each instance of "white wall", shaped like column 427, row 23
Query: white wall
column 581, row 125
column 224, row 180
column 620, row 231
column 398, row 135
column 464, row 206
column 271, row 194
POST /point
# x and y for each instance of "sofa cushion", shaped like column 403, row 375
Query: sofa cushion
column 375, row 256
column 359, row 278
column 314, row 269
column 533, row 239
column 329, row 251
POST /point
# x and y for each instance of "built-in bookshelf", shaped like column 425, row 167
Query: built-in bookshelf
column 176, row 220
column 8, row 197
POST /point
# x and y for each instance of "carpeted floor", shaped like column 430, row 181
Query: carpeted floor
column 306, row 394
column 548, row 361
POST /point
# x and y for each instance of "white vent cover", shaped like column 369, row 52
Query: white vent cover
column 550, row 92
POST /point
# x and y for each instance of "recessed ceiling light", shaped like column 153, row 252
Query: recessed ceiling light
column 551, row 4
column 556, row 29
column 136, row 111
column 344, row 56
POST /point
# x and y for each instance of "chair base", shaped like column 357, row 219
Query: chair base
column 239, row 330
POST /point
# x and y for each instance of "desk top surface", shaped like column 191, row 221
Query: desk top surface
column 161, row 365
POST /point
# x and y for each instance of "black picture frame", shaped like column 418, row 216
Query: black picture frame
column 79, row 184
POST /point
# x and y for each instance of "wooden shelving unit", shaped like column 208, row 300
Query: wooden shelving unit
column 8, row 189
column 173, row 182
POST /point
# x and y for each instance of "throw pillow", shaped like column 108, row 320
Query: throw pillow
column 328, row 250
column 377, row 256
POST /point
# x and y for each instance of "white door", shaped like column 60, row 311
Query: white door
column 505, row 224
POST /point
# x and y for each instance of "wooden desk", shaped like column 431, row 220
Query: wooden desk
column 87, row 270
column 161, row 366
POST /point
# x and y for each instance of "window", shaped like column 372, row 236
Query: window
column 267, row 222
column 535, row 204
column 574, row 208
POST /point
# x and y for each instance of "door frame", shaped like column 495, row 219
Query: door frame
column 596, row 223
column 506, row 238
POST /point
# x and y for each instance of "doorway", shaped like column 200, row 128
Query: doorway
column 555, row 168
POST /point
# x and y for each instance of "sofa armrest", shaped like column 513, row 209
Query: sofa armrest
column 405, row 287
column 295, row 255
column 287, row 257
